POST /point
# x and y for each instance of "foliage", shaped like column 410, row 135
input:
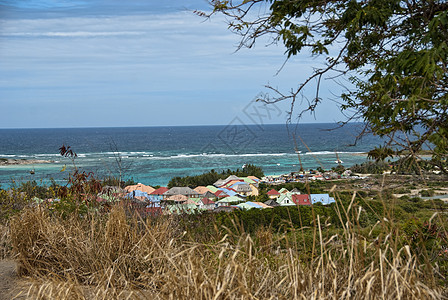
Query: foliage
column 406, row 165
column 412, row 165
column 11, row 202
column 339, row 169
column 380, row 153
column 427, row 193
column 32, row 189
column 394, row 53
column 114, row 181
column 212, row 176
column 248, row 255
column 370, row 167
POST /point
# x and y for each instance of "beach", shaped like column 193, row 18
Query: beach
column 10, row 161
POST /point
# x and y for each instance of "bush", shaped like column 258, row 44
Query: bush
column 427, row 193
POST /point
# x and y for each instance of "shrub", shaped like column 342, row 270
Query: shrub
column 427, row 193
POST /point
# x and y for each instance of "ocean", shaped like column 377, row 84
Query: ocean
column 153, row 155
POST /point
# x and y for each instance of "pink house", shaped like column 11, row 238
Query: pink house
column 301, row 199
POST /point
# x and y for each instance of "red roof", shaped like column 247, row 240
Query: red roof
column 221, row 194
column 273, row 193
column 160, row 191
column 207, row 201
column 301, row 199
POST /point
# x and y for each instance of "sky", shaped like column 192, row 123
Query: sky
column 114, row 63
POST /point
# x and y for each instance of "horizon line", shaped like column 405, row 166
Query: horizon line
column 155, row 126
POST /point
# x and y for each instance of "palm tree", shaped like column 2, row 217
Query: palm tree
column 380, row 153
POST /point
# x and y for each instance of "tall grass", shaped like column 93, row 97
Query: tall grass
column 114, row 256
column 5, row 242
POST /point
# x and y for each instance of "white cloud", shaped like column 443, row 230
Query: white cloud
column 136, row 60
column 72, row 34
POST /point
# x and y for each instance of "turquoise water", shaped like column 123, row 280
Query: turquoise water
column 153, row 155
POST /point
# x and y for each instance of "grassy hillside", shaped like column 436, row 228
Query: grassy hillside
column 369, row 245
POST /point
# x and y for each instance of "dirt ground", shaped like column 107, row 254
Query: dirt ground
column 11, row 286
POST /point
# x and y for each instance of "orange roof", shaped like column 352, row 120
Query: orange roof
column 178, row 198
column 232, row 182
column 141, row 187
column 202, row 190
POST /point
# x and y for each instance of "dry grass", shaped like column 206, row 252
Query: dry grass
column 117, row 257
column 5, row 242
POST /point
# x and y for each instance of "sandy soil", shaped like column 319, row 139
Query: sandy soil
column 11, row 286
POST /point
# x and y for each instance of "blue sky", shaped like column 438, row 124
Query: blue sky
column 101, row 63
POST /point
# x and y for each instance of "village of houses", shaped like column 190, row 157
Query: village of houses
column 224, row 195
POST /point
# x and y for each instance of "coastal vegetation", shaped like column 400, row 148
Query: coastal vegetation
column 400, row 165
column 369, row 244
column 393, row 54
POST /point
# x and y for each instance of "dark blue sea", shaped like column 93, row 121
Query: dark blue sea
column 153, row 155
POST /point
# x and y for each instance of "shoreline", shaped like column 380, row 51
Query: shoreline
column 11, row 162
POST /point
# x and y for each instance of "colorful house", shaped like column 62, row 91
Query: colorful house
column 137, row 194
column 141, row 187
column 210, row 195
column 207, row 204
column 157, row 195
column 221, row 194
column 186, row 191
column 212, row 188
column 262, row 205
column 242, row 188
column 176, row 198
column 271, row 203
column 301, row 199
column 254, row 178
column 283, row 191
column 273, row 194
column 248, row 180
column 249, row 205
column 228, row 191
column 228, row 181
column 254, row 188
column 227, row 201
column 325, row 199
column 202, row 190
column 285, row 200
column 295, row 191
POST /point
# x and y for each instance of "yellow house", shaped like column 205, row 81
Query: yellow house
column 254, row 190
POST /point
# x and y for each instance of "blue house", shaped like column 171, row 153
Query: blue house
column 157, row 195
column 137, row 193
column 325, row 199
